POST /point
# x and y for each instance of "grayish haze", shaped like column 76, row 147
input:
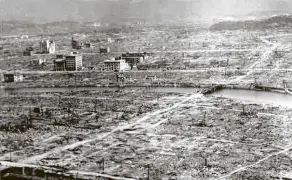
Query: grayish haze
column 43, row 11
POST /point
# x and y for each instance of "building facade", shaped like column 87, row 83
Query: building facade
column 76, row 43
column 59, row 65
column 12, row 77
column 133, row 59
column 47, row 47
column 116, row 65
column 73, row 62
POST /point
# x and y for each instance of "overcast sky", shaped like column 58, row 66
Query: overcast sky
column 160, row 10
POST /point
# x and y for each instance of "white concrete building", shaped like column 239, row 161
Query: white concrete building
column 118, row 65
column 73, row 62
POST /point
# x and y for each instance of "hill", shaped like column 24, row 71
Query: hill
column 275, row 22
column 154, row 11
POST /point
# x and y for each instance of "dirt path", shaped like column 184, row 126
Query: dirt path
column 36, row 158
column 257, row 163
column 263, row 58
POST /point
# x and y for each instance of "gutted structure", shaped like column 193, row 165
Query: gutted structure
column 47, row 47
column 116, row 65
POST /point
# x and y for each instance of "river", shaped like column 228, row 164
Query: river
column 259, row 97
column 64, row 89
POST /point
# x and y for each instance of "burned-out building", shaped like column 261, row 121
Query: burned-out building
column 133, row 59
column 76, row 43
column 47, row 47
column 116, row 65
column 29, row 51
column 10, row 77
column 104, row 50
column 71, row 62
column 59, row 63
column 38, row 62
column 88, row 45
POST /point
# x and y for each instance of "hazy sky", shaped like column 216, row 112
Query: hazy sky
column 160, row 10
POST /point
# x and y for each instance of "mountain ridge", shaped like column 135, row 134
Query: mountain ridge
column 45, row 11
column 274, row 22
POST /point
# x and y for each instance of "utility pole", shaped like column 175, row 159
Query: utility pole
column 103, row 165
column 148, row 172
column 206, row 162
column 284, row 83
column 10, row 154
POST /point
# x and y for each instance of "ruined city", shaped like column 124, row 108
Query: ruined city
column 146, row 90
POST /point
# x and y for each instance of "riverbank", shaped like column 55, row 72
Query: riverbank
column 204, row 88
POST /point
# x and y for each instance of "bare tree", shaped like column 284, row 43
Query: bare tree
column 69, row 105
column 95, row 102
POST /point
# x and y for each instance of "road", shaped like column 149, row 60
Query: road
column 188, row 51
column 267, row 54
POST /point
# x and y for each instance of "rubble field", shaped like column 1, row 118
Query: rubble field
column 178, row 136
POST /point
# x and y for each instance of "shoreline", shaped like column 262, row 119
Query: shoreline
column 206, row 88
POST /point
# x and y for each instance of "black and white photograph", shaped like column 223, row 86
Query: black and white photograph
column 145, row 89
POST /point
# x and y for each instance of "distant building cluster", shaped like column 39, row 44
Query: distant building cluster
column 127, row 61
column 74, row 61
column 71, row 62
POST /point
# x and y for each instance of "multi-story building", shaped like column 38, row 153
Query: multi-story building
column 116, row 65
column 73, row 62
column 134, row 58
column 59, row 65
column 76, row 44
column 47, row 47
